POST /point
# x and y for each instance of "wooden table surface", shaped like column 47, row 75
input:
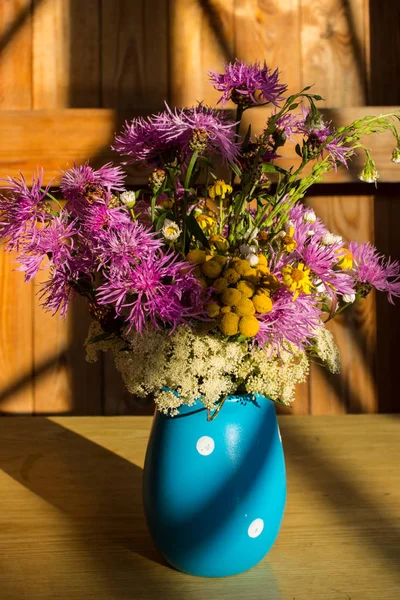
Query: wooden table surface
column 72, row 525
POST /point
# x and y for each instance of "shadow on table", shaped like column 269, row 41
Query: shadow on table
column 378, row 531
column 101, row 494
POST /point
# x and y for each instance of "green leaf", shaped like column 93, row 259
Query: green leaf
column 241, row 338
column 298, row 150
column 269, row 168
column 294, row 105
column 236, row 170
column 196, row 231
column 160, row 221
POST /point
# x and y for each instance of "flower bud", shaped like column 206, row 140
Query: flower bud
column 199, row 140
column 128, row 198
column 309, row 216
column 396, row 155
column 349, row 298
column 157, row 178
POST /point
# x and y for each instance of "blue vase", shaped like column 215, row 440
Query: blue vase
column 214, row 491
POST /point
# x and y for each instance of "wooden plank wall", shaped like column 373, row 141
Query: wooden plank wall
column 132, row 55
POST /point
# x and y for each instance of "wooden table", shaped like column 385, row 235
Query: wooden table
column 72, row 526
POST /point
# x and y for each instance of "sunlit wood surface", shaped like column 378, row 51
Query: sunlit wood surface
column 72, row 524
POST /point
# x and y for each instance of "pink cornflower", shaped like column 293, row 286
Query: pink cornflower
column 143, row 140
column 248, row 84
column 98, row 216
column 122, row 247
column 162, row 137
column 57, row 292
column 203, row 128
column 322, row 261
column 318, row 132
column 22, row 208
column 289, row 321
column 83, row 182
column 372, row 268
column 306, row 224
column 53, row 243
column 159, row 291
column 288, row 124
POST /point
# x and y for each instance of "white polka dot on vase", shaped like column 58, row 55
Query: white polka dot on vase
column 255, row 528
column 205, row 445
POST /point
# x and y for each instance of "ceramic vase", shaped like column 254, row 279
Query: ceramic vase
column 214, row 491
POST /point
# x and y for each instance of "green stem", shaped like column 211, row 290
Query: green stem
column 189, row 172
column 52, row 198
column 211, row 417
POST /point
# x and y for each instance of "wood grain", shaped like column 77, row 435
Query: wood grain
column 217, row 43
column 66, row 72
column 186, row 71
column 134, row 54
column 16, row 340
column 15, row 55
column 387, row 238
column 270, row 30
column 71, row 496
column 16, row 391
column 66, row 54
column 384, row 52
column 385, row 86
column 334, row 50
column 354, row 390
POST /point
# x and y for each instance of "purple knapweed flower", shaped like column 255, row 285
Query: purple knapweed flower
column 98, row 216
column 374, row 269
column 305, row 224
column 203, row 128
column 288, row 124
column 163, row 137
column 22, row 208
column 159, row 291
column 248, row 84
column 83, row 183
column 53, row 243
column 57, row 292
column 322, row 261
column 122, row 247
column 143, row 140
column 289, row 321
column 321, row 137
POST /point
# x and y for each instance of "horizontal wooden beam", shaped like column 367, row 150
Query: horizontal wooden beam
column 55, row 139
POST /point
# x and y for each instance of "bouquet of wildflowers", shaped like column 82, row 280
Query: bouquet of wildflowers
column 215, row 279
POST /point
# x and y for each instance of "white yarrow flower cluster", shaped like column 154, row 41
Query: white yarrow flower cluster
column 196, row 365
column 326, row 349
